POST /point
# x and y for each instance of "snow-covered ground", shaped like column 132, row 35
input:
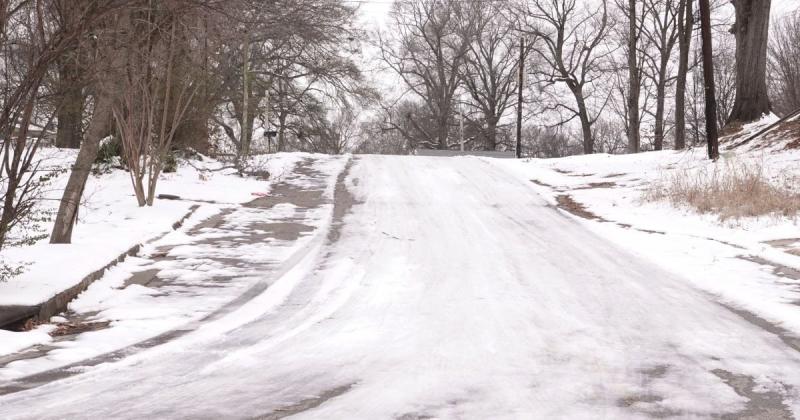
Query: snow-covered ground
column 453, row 289
column 748, row 263
column 110, row 223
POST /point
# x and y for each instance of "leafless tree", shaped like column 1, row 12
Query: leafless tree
column 570, row 40
column 32, row 41
column 685, row 25
column 490, row 69
column 635, row 57
column 275, row 66
column 784, row 64
column 333, row 132
column 152, row 100
column 661, row 30
column 427, row 47
column 752, row 36
column 111, row 37
column 550, row 142
column 389, row 131
column 712, row 138
column 724, row 78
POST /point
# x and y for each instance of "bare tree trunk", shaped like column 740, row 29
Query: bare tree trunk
column 246, row 128
column 520, row 85
column 138, row 190
column 752, row 35
column 661, row 92
column 99, row 127
column 443, row 130
column 685, row 27
column 491, row 133
column 281, row 146
column 634, row 86
column 70, row 110
column 586, row 124
column 250, row 122
column 708, row 78
column 15, row 173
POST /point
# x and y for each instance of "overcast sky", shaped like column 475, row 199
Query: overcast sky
column 374, row 15
column 376, row 11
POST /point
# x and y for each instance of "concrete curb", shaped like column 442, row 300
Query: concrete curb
column 16, row 315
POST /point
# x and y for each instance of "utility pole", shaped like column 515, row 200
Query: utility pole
column 461, row 126
column 712, row 136
column 519, row 95
column 245, row 137
column 634, row 87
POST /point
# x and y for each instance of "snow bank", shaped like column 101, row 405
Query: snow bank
column 110, row 222
column 12, row 341
column 715, row 256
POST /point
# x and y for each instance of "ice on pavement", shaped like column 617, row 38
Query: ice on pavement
column 454, row 291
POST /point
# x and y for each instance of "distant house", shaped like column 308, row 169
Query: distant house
column 48, row 137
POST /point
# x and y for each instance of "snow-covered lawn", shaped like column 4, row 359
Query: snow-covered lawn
column 745, row 262
column 110, row 223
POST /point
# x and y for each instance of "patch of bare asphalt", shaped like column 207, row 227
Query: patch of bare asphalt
column 761, row 404
column 568, row 204
column 305, row 404
column 596, row 185
column 571, row 173
column 414, row 416
column 304, row 198
column 788, row 338
column 543, row 184
column 421, row 415
column 777, row 269
column 789, row 246
column 642, row 402
column 75, row 324
column 344, row 201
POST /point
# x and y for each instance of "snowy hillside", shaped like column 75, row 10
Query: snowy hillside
column 749, row 262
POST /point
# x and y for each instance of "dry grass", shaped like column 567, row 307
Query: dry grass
column 731, row 190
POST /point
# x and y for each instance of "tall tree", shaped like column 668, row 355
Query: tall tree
column 32, row 41
column 571, row 52
column 752, row 36
column 784, row 64
column 70, row 96
column 107, row 54
column 432, row 41
column 712, row 136
column 298, row 52
column 634, row 77
column 661, row 30
column 490, row 70
column 685, row 29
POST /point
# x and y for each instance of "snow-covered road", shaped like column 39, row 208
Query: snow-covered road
column 451, row 290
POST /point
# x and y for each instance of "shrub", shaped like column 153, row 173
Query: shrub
column 170, row 163
column 732, row 190
column 108, row 155
column 7, row 272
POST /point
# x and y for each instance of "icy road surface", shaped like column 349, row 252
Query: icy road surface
column 451, row 290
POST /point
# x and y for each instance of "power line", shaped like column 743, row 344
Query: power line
column 414, row 1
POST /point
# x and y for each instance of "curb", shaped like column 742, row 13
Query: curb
column 16, row 315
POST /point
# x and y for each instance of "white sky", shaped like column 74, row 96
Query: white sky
column 374, row 15
column 375, row 11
